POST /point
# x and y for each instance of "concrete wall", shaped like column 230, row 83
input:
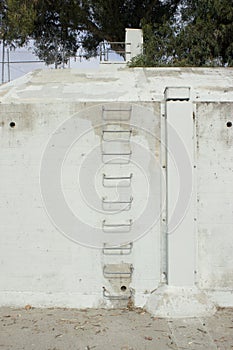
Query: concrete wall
column 43, row 263
column 214, row 197
column 59, row 121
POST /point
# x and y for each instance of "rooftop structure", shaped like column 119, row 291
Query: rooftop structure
column 116, row 188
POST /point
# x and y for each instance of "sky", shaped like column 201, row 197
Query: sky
column 26, row 54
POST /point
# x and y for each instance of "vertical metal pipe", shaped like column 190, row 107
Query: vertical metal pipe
column 63, row 56
column 3, row 59
column 8, row 65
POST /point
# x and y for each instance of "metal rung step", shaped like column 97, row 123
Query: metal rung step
column 118, row 271
column 117, row 109
column 116, row 205
column 119, row 114
column 120, row 181
column 121, row 250
column 117, row 227
column 112, row 135
column 116, row 158
column 117, row 154
column 108, row 296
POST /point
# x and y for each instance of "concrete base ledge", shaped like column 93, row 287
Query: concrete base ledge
column 176, row 302
column 53, row 299
column 166, row 302
column 221, row 298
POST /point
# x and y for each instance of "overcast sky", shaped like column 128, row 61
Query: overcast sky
column 26, row 54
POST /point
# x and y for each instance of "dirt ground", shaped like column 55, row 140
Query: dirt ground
column 72, row 329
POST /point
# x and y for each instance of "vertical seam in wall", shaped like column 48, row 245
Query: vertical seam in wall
column 195, row 190
column 166, row 192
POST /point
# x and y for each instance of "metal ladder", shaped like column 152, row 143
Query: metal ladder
column 116, row 152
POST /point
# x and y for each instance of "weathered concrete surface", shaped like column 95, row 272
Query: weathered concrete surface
column 178, row 302
column 117, row 83
column 214, row 173
column 58, row 329
column 37, row 262
column 42, row 267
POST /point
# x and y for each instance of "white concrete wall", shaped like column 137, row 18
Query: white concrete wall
column 134, row 43
column 39, row 265
column 214, row 198
column 181, row 234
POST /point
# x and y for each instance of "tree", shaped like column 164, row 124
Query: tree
column 158, row 46
column 206, row 36
column 17, row 21
column 199, row 34
column 58, row 26
column 176, row 32
column 55, row 30
column 108, row 19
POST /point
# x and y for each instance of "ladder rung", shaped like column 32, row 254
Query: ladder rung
column 121, row 250
column 117, row 177
column 117, row 228
column 118, row 274
column 116, row 154
column 109, row 205
column 121, row 181
column 116, row 297
column 117, row 109
column 110, row 113
column 129, row 131
column 117, row 225
column 116, row 135
column 117, row 202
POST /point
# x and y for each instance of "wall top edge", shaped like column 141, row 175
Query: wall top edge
column 118, row 84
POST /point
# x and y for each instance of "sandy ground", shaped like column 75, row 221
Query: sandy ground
column 63, row 329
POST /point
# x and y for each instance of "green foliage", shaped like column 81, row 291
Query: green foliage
column 176, row 32
column 17, row 21
column 107, row 19
column 57, row 26
column 207, row 37
column 55, row 30
column 199, row 35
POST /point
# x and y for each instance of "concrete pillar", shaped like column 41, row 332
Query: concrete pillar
column 133, row 43
column 181, row 242
column 180, row 297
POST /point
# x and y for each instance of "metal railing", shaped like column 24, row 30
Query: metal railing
column 107, row 52
column 110, row 49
